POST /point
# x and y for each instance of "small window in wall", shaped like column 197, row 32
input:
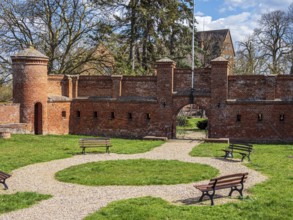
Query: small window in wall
column 112, row 115
column 148, row 116
column 95, row 115
column 63, row 114
column 129, row 116
column 259, row 117
column 78, row 114
column 238, row 117
column 282, row 117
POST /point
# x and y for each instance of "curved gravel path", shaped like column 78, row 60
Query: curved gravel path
column 72, row 201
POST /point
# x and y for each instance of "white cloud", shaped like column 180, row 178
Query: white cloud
column 245, row 20
column 240, row 25
column 259, row 5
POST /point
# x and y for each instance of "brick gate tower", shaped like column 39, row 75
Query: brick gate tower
column 30, row 88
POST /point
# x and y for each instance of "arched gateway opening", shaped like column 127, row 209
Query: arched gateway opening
column 38, row 122
column 191, row 122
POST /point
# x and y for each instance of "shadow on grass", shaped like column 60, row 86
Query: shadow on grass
column 228, row 160
column 195, row 200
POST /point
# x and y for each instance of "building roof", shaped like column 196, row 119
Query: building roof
column 213, row 36
column 30, row 52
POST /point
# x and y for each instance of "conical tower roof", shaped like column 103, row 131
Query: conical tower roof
column 29, row 53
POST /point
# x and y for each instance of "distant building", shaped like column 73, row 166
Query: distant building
column 213, row 44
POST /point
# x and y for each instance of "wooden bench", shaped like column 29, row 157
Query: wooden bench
column 234, row 181
column 94, row 142
column 243, row 149
column 3, row 177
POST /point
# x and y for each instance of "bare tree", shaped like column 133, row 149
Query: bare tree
column 58, row 28
column 272, row 37
column 248, row 59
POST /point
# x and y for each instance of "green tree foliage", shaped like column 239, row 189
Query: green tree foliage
column 135, row 33
column 146, row 30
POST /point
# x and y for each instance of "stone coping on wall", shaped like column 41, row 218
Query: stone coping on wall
column 259, row 102
column 15, row 128
column 9, row 104
column 58, row 99
column 119, row 99
column 197, row 93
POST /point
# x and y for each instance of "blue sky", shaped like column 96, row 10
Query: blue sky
column 240, row 16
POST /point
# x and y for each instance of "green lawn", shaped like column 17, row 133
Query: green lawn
column 19, row 200
column 136, row 172
column 22, row 150
column 191, row 124
column 271, row 200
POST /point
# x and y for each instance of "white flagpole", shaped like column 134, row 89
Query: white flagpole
column 193, row 24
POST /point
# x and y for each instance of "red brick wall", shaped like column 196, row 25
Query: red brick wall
column 121, row 125
column 58, row 124
column 9, row 113
column 202, row 80
column 247, row 87
column 96, row 98
column 249, row 128
column 55, row 85
column 95, row 86
column 284, row 87
column 143, row 86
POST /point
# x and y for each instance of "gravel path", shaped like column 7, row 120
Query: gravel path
column 72, row 201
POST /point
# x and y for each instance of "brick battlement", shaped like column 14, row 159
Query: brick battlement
column 254, row 108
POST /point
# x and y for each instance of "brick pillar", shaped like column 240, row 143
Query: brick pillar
column 69, row 87
column 30, row 88
column 219, row 95
column 75, row 86
column 116, row 86
column 165, row 80
column 165, row 87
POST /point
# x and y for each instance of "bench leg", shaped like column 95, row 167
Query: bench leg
column 206, row 193
column 234, row 188
column 83, row 150
column 107, row 150
column 243, row 156
column 248, row 156
column 4, row 184
column 228, row 154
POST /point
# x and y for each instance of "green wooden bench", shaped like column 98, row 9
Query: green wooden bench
column 3, row 177
column 233, row 181
column 94, row 142
column 243, row 149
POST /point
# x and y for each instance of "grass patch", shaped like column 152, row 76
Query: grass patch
column 19, row 200
column 209, row 150
column 272, row 199
column 191, row 125
column 136, row 172
column 22, row 150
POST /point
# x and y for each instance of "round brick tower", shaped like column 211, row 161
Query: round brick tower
column 29, row 69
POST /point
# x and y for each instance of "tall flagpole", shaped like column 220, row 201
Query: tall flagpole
column 193, row 24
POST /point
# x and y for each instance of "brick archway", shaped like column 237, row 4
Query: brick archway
column 181, row 102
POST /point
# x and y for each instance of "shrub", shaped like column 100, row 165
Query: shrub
column 5, row 93
column 182, row 120
column 202, row 125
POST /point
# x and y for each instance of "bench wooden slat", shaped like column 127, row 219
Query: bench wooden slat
column 95, row 142
column 233, row 181
column 243, row 149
